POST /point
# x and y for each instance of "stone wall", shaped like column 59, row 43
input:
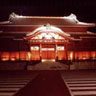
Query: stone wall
column 83, row 65
column 9, row 65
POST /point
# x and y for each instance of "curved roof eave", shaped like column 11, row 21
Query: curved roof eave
column 48, row 28
column 87, row 24
column 4, row 22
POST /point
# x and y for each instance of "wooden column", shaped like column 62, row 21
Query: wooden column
column 40, row 51
column 90, row 55
column 95, row 54
column 0, row 55
column 30, row 45
column 73, row 55
column 19, row 49
column 74, row 51
column 10, row 55
column 56, row 53
column 66, row 50
column 30, row 49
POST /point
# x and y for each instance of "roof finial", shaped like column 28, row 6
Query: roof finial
column 72, row 16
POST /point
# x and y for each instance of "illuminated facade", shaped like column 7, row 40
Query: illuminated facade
column 27, row 38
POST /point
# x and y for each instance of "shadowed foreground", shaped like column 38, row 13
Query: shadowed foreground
column 47, row 83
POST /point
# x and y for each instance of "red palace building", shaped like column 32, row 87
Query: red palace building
column 32, row 38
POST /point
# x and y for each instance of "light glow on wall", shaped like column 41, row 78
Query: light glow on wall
column 5, row 59
column 71, row 55
column 29, row 55
column 60, row 48
column 35, row 55
column 34, row 48
column 13, row 59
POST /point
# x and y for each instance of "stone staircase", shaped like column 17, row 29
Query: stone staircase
column 48, row 65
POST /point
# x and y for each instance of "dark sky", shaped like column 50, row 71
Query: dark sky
column 85, row 10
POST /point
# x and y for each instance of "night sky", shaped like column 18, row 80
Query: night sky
column 85, row 10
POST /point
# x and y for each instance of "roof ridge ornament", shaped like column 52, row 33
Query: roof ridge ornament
column 48, row 26
column 14, row 15
column 11, row 16
column 73, row 17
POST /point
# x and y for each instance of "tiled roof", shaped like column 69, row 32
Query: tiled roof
column 65, row 21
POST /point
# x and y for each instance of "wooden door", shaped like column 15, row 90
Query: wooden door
column 61, row 53
column 35, row 53
column 48, row 52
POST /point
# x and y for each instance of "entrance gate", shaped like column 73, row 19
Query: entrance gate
column 48, row 51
